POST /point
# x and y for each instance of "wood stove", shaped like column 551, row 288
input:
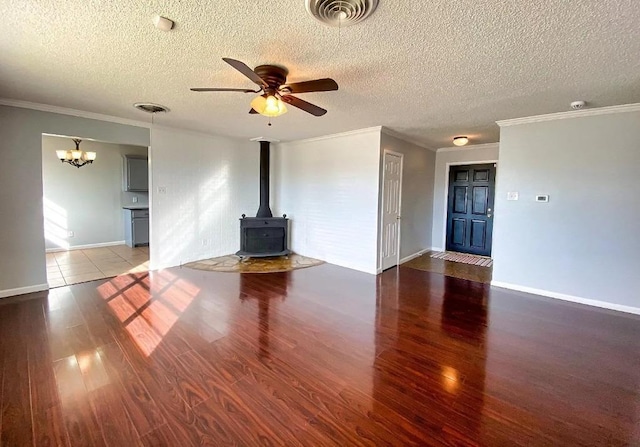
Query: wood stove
column 264, row 235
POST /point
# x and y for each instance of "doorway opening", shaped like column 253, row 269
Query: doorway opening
column 85, row 210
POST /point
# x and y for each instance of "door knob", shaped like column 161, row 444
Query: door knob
column 489, row 215
column 398, row 217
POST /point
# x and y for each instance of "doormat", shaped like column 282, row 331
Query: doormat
column 233, row 264
column 463, row 258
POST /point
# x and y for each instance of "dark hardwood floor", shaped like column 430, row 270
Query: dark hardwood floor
column 314, row 357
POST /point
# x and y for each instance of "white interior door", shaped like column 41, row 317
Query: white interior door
column 391, row 194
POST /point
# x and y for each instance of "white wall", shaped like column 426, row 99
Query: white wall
column 329, row 189
column 210, row 182
column 22, row 264
column 584, row 242
column 444, row 158
column 417, row 194
column 88, row 200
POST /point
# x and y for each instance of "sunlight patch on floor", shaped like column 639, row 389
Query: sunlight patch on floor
column 148, row 315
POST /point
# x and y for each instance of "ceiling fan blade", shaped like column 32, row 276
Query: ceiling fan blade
column 318, row 85
column 243, row 90
column 253, row 112
column 304, row 105
column 245, row 70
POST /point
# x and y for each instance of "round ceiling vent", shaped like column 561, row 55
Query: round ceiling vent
column 150, row 107
column 341, row 12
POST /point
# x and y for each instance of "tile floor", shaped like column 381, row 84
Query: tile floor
column 76, row 266
column 449, row 268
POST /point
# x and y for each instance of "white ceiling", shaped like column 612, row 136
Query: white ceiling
column 427, row 69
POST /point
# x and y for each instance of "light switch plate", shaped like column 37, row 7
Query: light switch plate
column 512, row 195
column 134, row 199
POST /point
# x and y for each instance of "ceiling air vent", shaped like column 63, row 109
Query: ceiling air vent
column 341, row 12
column 150, row 107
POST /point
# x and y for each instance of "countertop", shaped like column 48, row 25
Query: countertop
column 136, row 207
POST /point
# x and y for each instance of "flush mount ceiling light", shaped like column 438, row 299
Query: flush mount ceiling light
column 460, row 141
column 76, row 157
column 341, row 12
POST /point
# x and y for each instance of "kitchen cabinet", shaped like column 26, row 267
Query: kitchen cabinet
column 136, row 173
column 136, row 226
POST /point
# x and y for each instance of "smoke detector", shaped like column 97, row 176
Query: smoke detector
column 578, row 105
column 341, row 13
column 150, row 107
column 162, row 23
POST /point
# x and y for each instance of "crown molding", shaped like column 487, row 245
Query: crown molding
column 334, row 135
column 72, row 112
column 471, row 147
column 393, row 133
column 196, row 133
column 624, row 108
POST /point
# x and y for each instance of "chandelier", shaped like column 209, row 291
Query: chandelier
column 76, row 157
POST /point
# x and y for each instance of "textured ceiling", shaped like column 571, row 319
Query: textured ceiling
column 426, row 69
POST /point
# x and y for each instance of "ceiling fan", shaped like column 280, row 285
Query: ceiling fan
column 274, row 89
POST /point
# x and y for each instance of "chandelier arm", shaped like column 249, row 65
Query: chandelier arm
column 76, row 163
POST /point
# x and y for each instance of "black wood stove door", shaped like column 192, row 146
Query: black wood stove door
column 264, row 240
column 265, row 236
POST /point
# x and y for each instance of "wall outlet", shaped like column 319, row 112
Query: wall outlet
column 134, row 199
column 205, row 241
column 512, row 196
column 70, row 233
column 162, row 189
column 542, row 198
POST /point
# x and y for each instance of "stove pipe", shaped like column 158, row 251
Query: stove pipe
column 265, row 154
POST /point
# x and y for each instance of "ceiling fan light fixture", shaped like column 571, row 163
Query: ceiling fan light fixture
column 272, row 80
column 460, row 141
column 268, row 106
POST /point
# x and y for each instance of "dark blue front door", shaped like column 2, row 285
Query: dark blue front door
column 470, row 208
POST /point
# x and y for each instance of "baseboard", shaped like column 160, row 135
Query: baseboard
column 23, row 290
column 438, row 249
column 409, row 258
column 415, row 255
column 571, row 298
column 85, row 247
